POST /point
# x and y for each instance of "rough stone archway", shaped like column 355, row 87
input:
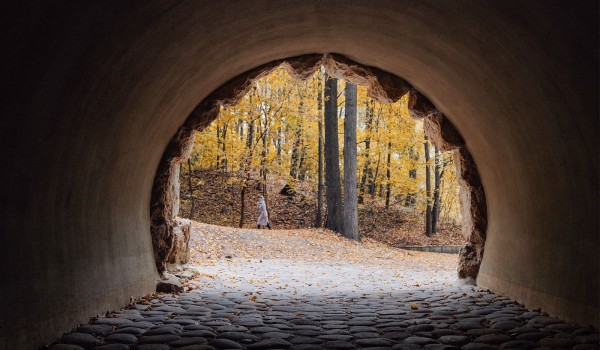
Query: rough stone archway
column 170, row 233
column 94, row 92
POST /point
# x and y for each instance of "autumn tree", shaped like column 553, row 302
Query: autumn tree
column 428, row 219
column 276, row 133
column 319, row 217
column 350, row 196
column 435, row 209
column 388, row 173
column 332, row 159
column 366, row 172
column 190, row 188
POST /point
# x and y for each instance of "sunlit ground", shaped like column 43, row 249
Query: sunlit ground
column 310, row 262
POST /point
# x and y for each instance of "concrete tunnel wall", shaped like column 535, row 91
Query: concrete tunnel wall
column 92, row 94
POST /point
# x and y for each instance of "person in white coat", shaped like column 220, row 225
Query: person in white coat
column 263, row 215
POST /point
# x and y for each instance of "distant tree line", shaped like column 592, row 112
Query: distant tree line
column 290, row 129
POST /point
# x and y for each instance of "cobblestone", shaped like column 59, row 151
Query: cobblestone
column 271, row 315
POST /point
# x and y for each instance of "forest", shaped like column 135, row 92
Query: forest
column 323, row 154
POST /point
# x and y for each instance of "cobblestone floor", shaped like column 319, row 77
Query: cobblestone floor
column 285, row 304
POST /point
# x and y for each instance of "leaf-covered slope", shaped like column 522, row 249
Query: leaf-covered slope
column 218, row 203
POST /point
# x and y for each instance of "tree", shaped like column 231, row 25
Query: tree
column 367, row 172
column 428, row 231
column 319, row 218
column 283, row 119
column 377, row 142
column 332, row 158
column 411, row 196
column 435, row 210
column 191, row 188
column 350, row 194
column 296, row 151
column 388, row 188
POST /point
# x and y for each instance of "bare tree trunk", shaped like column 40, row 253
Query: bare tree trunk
column 366, row 173
column 319, row 217
column 240, row 128
column 242, row 204
column 245, row 171
column 191, row 216
column 350, row 194
column 295, row 158
column 410, row 199
column 279, row 145
column 443, row 165
column 373, row 185
column 436, row 192
column 263, row 159
column 264, row 164
column 332, row 158
column 428, row 231
column 388, row 188
column 218, row 161
column 250, row 138
column 223, row 147
column 302, row 165
column 375, row 131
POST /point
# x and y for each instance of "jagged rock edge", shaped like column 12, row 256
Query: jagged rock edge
column 382, row 86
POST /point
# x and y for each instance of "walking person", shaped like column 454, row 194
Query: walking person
column 263, row 215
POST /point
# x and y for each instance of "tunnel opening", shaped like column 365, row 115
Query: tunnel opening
column 95, row 92
column 271, row 145
column 170, row 234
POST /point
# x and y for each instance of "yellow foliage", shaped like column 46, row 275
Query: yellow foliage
column 282, row 115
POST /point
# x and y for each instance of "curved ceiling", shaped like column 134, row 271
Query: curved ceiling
column 96, row 91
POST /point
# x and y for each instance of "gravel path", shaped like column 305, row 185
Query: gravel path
column 313, row 290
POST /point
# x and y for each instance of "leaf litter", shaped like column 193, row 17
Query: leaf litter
column 303, row 261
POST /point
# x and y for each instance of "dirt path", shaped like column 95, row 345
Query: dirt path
column 310, row 261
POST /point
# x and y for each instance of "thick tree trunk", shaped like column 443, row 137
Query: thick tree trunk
column 190, row 171
column 319, row 216
column 332, row 158
column 428, row 230
column 350, row 194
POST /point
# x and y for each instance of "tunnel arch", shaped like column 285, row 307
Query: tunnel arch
column 96, row 91
column 169, row 232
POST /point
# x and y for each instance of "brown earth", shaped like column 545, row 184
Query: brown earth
column 218, row 203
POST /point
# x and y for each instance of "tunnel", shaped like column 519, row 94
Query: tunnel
column 94, row 92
